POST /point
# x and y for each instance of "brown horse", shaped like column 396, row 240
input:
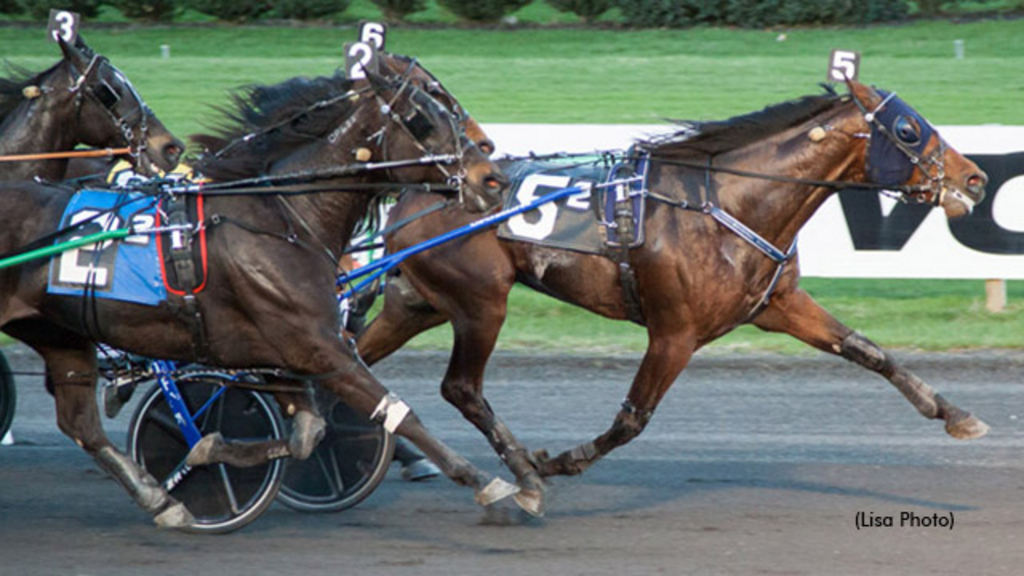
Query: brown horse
column 83, row 99
column 271, row 275
column 695, row 278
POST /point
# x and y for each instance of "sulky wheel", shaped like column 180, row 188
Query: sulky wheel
column 8, row 396
column 346, row 466
column 221, row 497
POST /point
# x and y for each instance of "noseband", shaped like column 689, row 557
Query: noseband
column 131, row 125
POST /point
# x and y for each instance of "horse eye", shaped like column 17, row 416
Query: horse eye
column 906, row 131
column 106, row 94
column 418, row 124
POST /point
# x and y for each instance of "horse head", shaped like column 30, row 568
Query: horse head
column 413, row 124
column 397, row 64
column 111, row 112
column 907, row 153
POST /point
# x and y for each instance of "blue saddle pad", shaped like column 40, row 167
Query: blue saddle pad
column 126, row 270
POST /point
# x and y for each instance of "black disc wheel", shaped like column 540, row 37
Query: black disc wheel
column 8, row 397
column 221, row 497
column 345, row 468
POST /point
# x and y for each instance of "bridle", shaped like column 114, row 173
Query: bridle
column 876, row 120
column 416, row 125
column 412, row 124
column 132, row 124
column 889, row 124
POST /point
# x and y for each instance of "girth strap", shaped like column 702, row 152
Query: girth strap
column 180, row 249
column 620, row 253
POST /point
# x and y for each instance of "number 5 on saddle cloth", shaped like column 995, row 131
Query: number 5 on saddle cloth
column 599, row 220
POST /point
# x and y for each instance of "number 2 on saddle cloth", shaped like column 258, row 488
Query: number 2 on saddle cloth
column 145, row 267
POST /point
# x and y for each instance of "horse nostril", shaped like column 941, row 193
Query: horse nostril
column 976, row 183
column 172, row 152
column 495, row 183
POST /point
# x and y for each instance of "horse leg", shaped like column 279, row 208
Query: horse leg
column 307, row 430
column 71, row 366
column 668, row 352
column 797, row 314
column 476, row 327
column 359, row 389
column 405, row 314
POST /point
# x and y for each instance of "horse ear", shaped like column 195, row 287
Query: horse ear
column 74, row 54
column 377, row 81
column 83, row 47
column 864, row 94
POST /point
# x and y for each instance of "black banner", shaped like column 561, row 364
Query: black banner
column 870, row 229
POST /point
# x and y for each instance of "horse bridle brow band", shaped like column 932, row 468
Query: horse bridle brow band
column 387, row 107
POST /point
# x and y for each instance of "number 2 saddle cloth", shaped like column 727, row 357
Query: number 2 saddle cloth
column 598, row 218
column 142, row 268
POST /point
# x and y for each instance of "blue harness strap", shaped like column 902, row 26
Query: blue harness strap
column 755, row 239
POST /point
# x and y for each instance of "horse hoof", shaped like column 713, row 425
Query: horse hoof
column 498, row 489
column 202, row 453
column 112, row 402
column 968, row 428
column 175, row 516
column 308, row 430
column 531, row 501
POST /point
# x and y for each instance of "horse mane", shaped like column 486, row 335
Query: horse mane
column 16, row 80
column 697, row 138
column 407, row 60
column 282, row 116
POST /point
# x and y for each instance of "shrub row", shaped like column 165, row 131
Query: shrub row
column 637, row 13
column 759, row 13
column 166, row 10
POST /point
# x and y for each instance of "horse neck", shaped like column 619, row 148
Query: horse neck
column 48, row 123
column 331, row 217
column 778, row 210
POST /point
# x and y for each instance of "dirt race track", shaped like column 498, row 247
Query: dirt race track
column 753, row 464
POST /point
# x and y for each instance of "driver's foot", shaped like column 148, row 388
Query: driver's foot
column 421, row 469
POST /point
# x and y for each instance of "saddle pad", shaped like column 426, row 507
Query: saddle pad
column 127, row 270
column 571, row 223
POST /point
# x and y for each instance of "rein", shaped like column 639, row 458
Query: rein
column 97, row 153
column 260, row 184
column 836, row 184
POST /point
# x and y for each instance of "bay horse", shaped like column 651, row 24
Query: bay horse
column 695, row 278
column 269, row 290
column 221, row 160
column 306, row 422
column 82, row 99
